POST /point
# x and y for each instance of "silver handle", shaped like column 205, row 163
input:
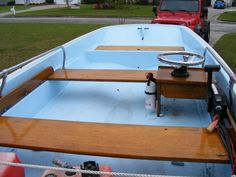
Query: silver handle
column 227, row 69
column 4, row 73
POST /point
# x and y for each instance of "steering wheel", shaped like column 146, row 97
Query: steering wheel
column 189, row 59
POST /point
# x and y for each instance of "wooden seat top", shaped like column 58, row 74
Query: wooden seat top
column 101, row 75
column 196, row 76
column 113, row 140
column 140, row 48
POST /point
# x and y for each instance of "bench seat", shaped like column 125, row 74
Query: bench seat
column 101, row 75
column 140, row 48
column 113, row 140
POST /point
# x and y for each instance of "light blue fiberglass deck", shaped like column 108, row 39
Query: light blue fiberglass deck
column 107, row 103
column 114, row 102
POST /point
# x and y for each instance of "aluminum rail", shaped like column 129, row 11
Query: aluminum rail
column 231, row 74
column 4, row 73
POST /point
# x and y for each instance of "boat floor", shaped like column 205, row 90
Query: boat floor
column 107, row 102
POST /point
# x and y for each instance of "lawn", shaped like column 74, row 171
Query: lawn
column 18, row 7
column 22, row 41
column 88, row 11
column 228, row 16
column 226, row 47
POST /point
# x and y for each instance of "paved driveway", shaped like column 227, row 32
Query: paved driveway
column 218, row 28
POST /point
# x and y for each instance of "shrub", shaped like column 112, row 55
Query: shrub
column 49, row 1
column 11, row 3
column 108, row 5
column 90, row 1
column 143, row 2
column 156, row 2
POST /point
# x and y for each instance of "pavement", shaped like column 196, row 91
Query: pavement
column 214, row 13
column 218, row 28
column 79, row 20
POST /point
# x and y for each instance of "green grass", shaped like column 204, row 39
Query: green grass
column 226, row 47
column 18, row 7
column 22, row 41
column 88, row 10
column 228, row 16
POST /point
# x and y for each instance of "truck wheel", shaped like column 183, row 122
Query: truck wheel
column 206, row 31
column 207, row 36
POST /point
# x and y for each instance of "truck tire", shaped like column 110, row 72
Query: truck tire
column 206, row 32
column 207, row 36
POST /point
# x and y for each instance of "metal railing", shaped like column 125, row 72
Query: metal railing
column 4, row 73
column 64, row 57
column 220, row 60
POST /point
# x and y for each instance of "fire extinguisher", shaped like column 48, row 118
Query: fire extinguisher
column 150, row 101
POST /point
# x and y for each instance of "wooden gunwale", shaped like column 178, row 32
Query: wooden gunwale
column 20, row 92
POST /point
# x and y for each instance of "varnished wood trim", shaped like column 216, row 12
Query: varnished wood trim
column 140, row 48
column 231, row 120
column 190, row 91
column 114, row 140
column 20, row 92
column 196, row 76
column 106, row 75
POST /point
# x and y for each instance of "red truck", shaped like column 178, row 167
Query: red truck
column 190, row 13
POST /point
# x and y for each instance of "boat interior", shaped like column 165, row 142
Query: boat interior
column 86, row 100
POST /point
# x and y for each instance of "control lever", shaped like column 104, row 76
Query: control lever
column 210, row 69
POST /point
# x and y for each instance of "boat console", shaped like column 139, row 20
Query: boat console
column 193, row 86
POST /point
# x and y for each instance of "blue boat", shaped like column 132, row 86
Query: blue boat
column 146, row 100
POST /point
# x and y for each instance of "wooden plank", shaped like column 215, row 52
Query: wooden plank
column 140, row 48
column 231, row 120
column 102, row 75
column 232, row 128
column 190, row 91
column 17, row 94
column 114, row 140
